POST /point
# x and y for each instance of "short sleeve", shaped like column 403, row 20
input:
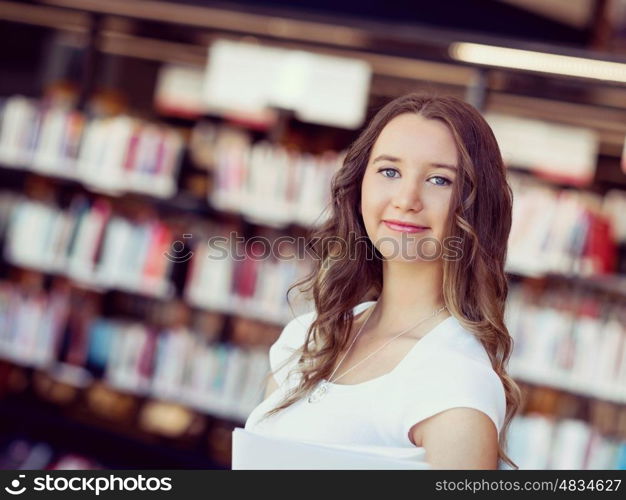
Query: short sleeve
column 290, row 340
column 454, row 381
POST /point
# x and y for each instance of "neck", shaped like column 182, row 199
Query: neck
column 411, row 291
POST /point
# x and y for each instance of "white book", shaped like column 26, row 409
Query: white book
column 136, row 340
column 117, row 138
column 65, row 222
column 570, row 445
column 51, row 328
column 46, row 154
column 26, row 326
column 114, row 358
column 602, row 452
column 145, row 160
column 25, row 242
column 217, row 279
column 91, row 149
column 586, row 351
column 232, row 159
column 206, row 394
column 620, row 379
column 175, row 347
column 614, row 206
column 116, row 239
column 567, row 216
column 613, row 338
column 304, row 187
column 18, row 117
column 252, row 450
column 252, row 395
column 197, row 374
column 164, row 182
column 193, row 274
column 234, row 377
column 135, row 256
column 81, row 263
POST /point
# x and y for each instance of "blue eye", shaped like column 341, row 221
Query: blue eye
column 446, row 182
column 388, row 170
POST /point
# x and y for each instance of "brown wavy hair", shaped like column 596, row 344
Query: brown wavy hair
column 475, row 287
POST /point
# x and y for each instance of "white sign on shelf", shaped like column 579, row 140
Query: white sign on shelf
column 248, row 77
column 179, row 89
column 565, row 153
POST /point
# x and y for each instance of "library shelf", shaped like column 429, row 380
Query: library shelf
column 72, row 425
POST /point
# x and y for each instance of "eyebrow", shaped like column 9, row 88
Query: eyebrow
column 398, row 160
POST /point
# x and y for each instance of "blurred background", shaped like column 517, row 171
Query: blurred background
column 134, row 134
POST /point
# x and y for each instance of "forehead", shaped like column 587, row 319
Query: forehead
column 412, row 136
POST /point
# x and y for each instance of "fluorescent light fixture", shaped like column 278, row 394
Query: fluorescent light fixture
column 538, row 61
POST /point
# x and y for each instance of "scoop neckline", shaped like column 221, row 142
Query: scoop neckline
column 434, row 330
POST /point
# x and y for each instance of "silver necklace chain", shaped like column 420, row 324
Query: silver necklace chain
column 403, row 332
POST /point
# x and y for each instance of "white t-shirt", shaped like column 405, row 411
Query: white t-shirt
column 446, row 368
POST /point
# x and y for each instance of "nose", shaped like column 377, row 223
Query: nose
column 408, row 196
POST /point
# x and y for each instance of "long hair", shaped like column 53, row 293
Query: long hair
column 475, row 287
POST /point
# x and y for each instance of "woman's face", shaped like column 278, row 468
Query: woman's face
column 409, row 178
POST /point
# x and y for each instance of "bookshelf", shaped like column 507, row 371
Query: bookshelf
column 196, row 172
column 76, row 427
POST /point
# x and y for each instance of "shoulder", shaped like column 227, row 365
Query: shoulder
column 295, row 329
column 464, row 379
column 457, row 376
column 463, row 369
column 461, row 343
column 294, row 332
column 457, row 373
column 290, row 339
column 458, row 414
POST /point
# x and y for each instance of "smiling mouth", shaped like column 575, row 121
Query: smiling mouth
column 405, row 228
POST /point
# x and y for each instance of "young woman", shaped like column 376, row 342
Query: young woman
column 420, row 217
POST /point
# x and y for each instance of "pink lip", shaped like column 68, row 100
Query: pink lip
column 404, row 228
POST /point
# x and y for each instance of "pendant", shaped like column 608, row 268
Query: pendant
column 319, row 392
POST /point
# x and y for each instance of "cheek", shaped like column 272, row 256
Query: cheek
column 439, row 208
column 372, row 202
column 368, row 195
column 371, row 206
column 438, row 200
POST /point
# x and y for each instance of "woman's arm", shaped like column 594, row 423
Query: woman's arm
column 458, row 438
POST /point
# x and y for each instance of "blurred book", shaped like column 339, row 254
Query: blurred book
column 267, row 183
column 90, row 245
column 569, row 342
column 540, row 442
column 562, row 231
column 111, row 154
column 226, row 277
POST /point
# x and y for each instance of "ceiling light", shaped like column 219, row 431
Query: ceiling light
column 543, row 62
